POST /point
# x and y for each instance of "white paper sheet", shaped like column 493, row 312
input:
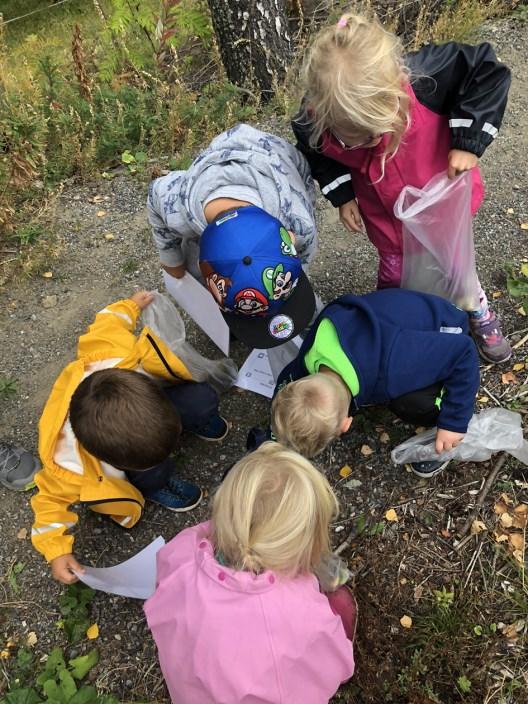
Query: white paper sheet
column 260, row 371
column 135, row 578
column 196, row 300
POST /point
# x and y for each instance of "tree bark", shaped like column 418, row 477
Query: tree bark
column 254, row 41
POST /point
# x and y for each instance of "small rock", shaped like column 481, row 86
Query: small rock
column 49, row 301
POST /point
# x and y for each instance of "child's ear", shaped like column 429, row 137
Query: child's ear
column 345, row 425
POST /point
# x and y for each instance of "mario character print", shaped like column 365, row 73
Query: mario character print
column 277, row 282
column 217, row 284
column 287, row 244
column 250, row 301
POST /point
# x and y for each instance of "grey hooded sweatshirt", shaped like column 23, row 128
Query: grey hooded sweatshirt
column 242, row 163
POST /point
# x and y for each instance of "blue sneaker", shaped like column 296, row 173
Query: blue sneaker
column 177, row 495
column 214, row 430
column 426, row 470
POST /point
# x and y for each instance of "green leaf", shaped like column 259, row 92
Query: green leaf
column 464, row 684
column 85, row 695
column 477, row 630
column 127, row 157
column 24, row 658
column 524, row 266
column 12, row 576
column 107, row 699
column 55, row 663
column 493, row 627
column 53, row 692
column 22, row 696
column 67, row 685
column 82, row 665
column 141, row 157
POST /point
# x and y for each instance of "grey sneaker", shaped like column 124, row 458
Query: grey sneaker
column 426, row 470
column 491, row 343
column 17, row 467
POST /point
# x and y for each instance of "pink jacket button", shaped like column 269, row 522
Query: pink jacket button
column 221, row 576
column 202, row 545
column 271, row 579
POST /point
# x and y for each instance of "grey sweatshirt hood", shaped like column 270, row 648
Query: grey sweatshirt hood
column 241, row 163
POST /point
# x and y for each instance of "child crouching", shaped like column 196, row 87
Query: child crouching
column 238, row 614
column 108, row 429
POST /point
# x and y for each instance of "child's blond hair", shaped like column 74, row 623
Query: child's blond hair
column 306, row 415
column 273, row 512
column 354, row 81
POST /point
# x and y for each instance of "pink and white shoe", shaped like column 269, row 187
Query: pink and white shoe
column 491, row 343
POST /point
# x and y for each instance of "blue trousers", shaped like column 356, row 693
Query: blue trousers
column 195, row 403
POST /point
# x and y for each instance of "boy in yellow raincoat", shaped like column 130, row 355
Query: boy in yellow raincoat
column 109, row 427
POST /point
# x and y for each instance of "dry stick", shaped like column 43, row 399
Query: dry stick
column 480, row 499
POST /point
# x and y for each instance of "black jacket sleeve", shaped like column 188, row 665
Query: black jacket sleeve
column 333, row 178
column 468, row 84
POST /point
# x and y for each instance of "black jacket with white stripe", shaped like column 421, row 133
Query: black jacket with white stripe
column 466, row 83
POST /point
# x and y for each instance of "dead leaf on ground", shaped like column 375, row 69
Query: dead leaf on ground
column 101, row 213
column 384, row 438
column 510, row 211
column 506, row 520
column 419, row 429
column 496, row 294
column 516, row 540
column 518, row 367
column 109, row 236
column 366, row 450
column 513, row 629
column 418, row 592
column 521, row 508
column 500, row 508
column 483, row 399
column 524, row 226
column 391, row 515
column 96, row 199
column 92, row 632
column 445, row 533
column 406, row 621
column 47, row 275
column 500, row 536
column 31, row 639
column 345, row 471
column 22, row 534
column 478, row 527
column 521, row 311
column 509, row 378
column 506, row 498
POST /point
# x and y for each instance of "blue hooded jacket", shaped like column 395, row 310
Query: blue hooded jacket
column 400, row 341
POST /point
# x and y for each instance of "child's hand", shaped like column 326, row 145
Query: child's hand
column 459, row 161
column 142, row 299
column 447, row 440
column 350, row 217
column 177, row 271
column 62, row 569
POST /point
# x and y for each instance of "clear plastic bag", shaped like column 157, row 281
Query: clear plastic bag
column 332, row 572
column 438, row 249
column 163, row 318
column 492, row 430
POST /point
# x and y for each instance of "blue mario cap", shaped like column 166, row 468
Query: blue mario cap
column 250, row 266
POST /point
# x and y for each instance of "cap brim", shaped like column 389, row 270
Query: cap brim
column 255, row 331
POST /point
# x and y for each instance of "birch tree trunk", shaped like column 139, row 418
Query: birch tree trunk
column 254, row 41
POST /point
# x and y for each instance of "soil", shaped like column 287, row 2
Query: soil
column 397, row 566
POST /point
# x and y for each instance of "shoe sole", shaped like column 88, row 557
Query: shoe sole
column 180, row 510
column 207, row 439
column 485, row 357
column 26, row 487
column 428, row 475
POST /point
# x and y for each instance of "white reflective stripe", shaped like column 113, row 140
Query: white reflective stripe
column 335, row 183
column 488, row 127
column 453, row 331
column 119, row 315
column 460, row 122
column 125, row 520
column 51, row 526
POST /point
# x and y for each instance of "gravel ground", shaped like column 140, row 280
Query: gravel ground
column 93, row 269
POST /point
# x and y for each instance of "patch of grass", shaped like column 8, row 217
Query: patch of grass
column 8, row 388
column 130, row 265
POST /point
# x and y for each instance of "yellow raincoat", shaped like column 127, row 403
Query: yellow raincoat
column 110, row 336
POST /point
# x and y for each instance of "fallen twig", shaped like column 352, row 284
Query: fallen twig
column 481, row 497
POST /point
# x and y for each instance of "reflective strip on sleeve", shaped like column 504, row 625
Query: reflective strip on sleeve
column 460, row 122
column 488, row 127
column 119, row 315
column 335, row 183
column 51, row 526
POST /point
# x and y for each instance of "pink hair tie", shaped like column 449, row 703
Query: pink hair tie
column 342, row 22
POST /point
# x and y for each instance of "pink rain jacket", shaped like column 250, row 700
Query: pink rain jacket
column 228, row 637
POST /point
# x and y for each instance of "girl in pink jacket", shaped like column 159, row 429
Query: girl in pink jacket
column 238, row 614
column 373, row 122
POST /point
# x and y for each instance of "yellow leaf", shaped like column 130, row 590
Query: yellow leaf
column 31, row 639
column 519, row 556
column 524, row 226
column 92, row 632
column 496, row 294
column 406, row 621
column 506, row 498
column 101, row 213
column 500, row 537
column 510, row 211
column 384, row 438
column 506, row 520
column 48, row 274
column 391, row 515
column 483, row 399
column 109, row 236
column 521, row 311
column 508, row 378
column 516, row 540
column 521, row 508
column 518, row 367
column 22, row 534
column 500, row 507
column 478, row 527
column 524, row 269
column 345, row 471
column 366, row 450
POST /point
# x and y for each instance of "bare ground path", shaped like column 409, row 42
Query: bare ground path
column 398, row 565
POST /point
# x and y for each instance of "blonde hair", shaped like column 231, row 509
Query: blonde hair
column 354, row 82
column 273, row 511
column 306, row 415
